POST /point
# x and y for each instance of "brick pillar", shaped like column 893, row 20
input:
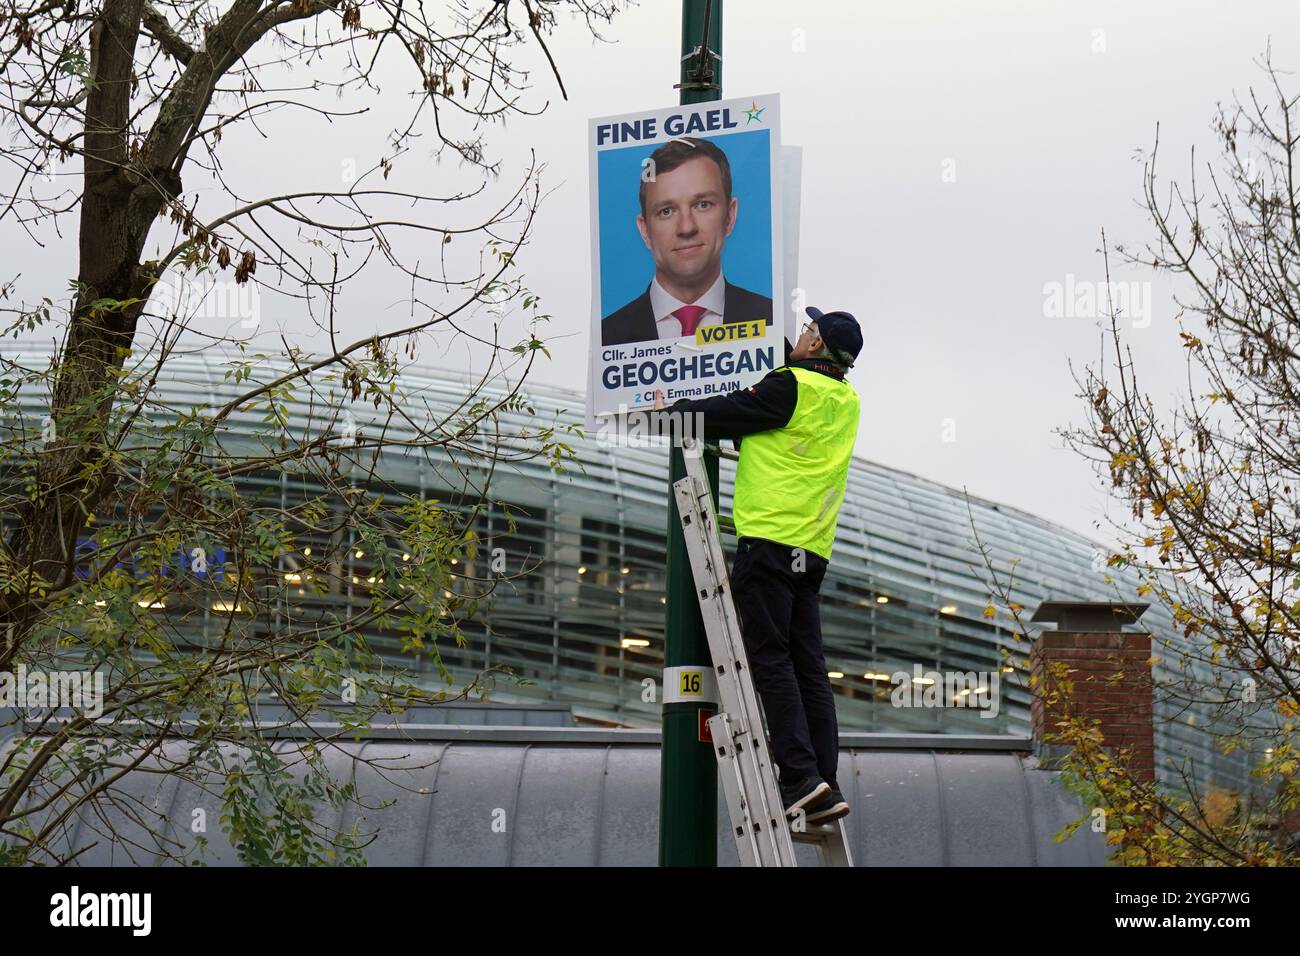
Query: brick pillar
column 1111, row 676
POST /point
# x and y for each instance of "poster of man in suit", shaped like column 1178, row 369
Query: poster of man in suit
column 685, row 252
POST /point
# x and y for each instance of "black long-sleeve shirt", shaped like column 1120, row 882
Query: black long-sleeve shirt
column 768, row 404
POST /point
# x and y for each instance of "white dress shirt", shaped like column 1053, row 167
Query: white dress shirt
column 664, row 305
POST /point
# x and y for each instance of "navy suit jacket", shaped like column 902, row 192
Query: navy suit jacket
column 635, row 322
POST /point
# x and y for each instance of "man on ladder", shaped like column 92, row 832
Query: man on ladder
column 798, row 427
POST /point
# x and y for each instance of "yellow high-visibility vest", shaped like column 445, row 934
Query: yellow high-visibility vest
column 790, row 481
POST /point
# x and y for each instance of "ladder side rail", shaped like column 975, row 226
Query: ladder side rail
column 759, row 843
column 716, row 580
column 761, row 795
column 733, row 656
column 720, row 621
column 742, row 825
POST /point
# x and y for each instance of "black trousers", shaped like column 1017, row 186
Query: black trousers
column 776, row 593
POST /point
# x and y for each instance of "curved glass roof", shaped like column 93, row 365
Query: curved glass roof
column 582, row 615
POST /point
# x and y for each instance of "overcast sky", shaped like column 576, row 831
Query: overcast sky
column 957, row 158
column 948, row 276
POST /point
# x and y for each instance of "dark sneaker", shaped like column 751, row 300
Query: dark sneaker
column 827, row 808
column 799, row 793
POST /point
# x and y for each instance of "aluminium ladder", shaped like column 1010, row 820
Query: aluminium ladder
column 764, row 835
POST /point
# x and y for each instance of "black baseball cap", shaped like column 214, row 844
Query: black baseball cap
column 839, row 330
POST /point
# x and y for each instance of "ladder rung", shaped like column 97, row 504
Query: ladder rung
column 817, row 833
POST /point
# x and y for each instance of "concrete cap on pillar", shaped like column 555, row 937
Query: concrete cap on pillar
column 1102, row 616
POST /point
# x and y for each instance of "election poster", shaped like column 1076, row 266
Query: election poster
column 686, row 253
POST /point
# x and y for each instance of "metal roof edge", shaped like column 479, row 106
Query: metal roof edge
column 603, row 736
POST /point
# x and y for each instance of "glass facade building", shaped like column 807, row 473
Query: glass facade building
column 579, row 609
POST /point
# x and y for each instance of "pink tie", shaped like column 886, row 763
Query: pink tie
column 689, row 316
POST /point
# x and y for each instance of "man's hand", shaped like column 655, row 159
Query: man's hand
column 659, row 399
